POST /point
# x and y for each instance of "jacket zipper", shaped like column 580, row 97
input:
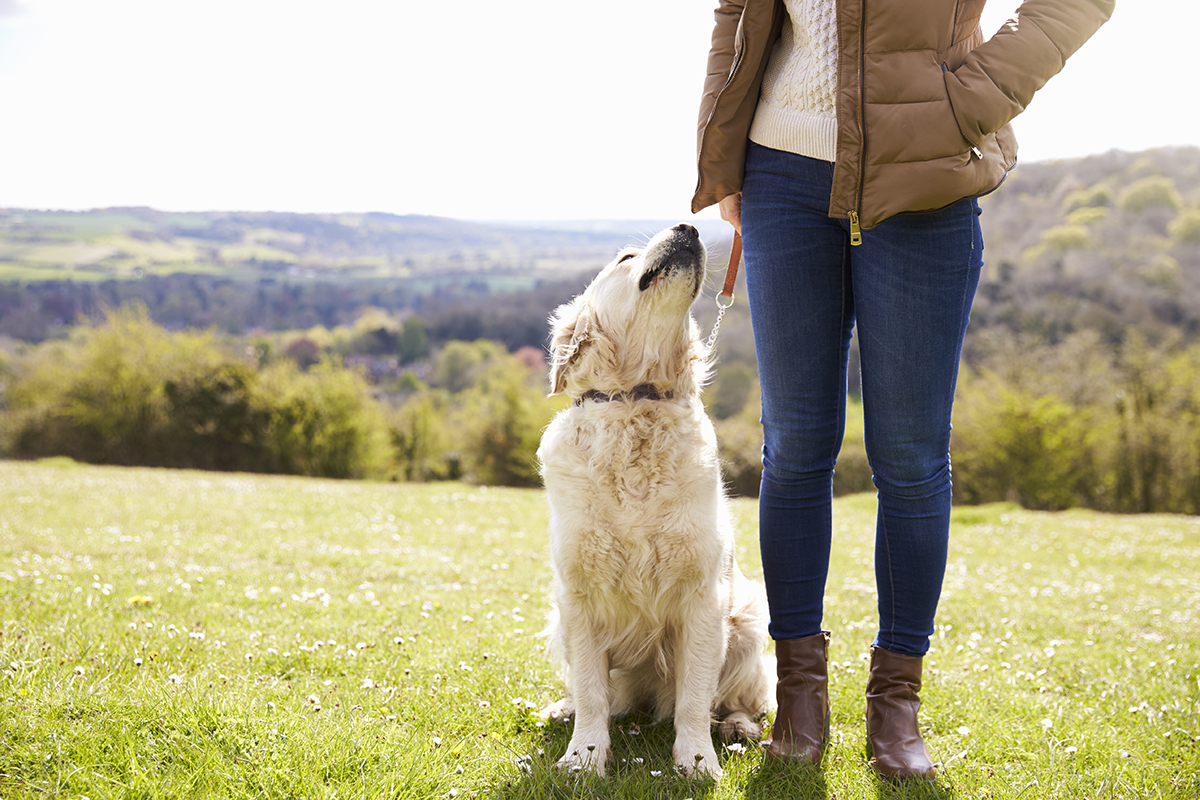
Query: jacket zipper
column 855, row 230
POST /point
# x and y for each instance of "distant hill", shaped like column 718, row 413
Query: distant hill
column 242, row 271
column 128, row 243
column 1106, row 243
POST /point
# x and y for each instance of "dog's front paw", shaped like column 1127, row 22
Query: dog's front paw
column 562, row 711
column 740, row 727
column 588, row 758
column 697, row 758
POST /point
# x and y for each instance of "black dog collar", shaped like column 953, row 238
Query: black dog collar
column 643, row 391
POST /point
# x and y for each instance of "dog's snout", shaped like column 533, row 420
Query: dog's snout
column 689, row 230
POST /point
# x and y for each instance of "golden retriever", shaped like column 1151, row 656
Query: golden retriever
column 651, row 610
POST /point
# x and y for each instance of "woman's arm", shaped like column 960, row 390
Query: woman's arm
column 721, row 55
column 999, row 77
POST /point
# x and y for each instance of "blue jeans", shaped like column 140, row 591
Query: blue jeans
column 909, row 288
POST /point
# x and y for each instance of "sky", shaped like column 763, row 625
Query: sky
column 546, row 109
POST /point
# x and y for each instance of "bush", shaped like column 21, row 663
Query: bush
column 1012, row 445
column 128, row 392
column 213, row 419
column 740, row 441
column 1097, row 196
column 1062, row 238
column 100, row 397
column 1074, row 425
column 503, row 416
column 1155, row 191
column 458, row 365
column 732, row 387
column 1185, row 228
column 1154, row 447
column 425, row 449
column 1086, row 216
column 323, row 423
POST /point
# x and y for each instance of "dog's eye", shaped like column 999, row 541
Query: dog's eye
column 626, row 257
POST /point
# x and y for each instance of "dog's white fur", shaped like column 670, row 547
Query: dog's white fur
column 652, row 611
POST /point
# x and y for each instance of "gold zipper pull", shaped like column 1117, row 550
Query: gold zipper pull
column 855, row 231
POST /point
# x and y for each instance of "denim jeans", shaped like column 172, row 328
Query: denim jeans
column 909, row 288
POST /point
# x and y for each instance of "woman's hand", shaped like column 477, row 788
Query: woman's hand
column 731, row 211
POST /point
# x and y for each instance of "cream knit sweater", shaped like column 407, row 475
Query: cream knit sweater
column 796, row 109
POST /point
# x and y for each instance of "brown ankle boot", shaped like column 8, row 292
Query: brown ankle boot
column 893, row 739
column 801, row 728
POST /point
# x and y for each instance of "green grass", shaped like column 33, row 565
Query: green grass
column 181, row 634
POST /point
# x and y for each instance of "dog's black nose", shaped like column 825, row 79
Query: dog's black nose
column 684, row 228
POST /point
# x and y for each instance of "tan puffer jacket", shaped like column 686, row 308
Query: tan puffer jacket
column 923, row 101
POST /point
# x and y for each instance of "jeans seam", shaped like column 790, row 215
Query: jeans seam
column 887, row 550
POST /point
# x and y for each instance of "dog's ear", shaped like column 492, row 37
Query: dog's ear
column 569, row 334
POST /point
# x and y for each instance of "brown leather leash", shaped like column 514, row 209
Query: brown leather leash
column 735, row 260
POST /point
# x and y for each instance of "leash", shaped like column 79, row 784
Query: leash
column 735, row 260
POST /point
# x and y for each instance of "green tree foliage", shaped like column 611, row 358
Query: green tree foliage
column 323, row 423
column 459, row 364
column 1155, row 191
column 1062, row 238
column 414, row 340
column 1015, row 446
column 1079, row 424
column 505, row 452
column 129, row 392
column 486, row 432
column 213, row 419
column 425, row 449
column 101, row 396
column 1185, row 228
column 1097, row 196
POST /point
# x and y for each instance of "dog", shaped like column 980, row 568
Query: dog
column 651, row 612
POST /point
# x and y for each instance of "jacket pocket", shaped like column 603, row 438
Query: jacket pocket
column 972, row 145
column 908, row 113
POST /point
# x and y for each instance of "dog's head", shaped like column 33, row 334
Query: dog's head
column 631, row 325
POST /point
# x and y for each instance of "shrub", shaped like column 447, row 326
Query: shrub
column 1153, row 446
column 853, row 472
column 732, row 387
column 100, row 397
column 459, row 364
column 425, row 449
column 1185, row 228
column 503, row 416
column 128, row 392
column 1155, row 191
column 1096, row 196
column 323, row 423
column 1012, row 445
column 1061, row 238
column 1086, row 216
column 212, row 419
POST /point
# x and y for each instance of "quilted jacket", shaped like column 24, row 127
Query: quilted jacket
column 923, row 101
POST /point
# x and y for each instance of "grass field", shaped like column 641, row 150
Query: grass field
column 180, row 634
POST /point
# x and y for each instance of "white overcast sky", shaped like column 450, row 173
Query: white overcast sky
column 545, row 109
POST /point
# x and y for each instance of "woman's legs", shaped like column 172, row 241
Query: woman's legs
column 910, row 284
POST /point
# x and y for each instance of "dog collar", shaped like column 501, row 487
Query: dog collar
column 643, row 391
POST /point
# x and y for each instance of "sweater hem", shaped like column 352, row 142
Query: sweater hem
column 796, row 132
